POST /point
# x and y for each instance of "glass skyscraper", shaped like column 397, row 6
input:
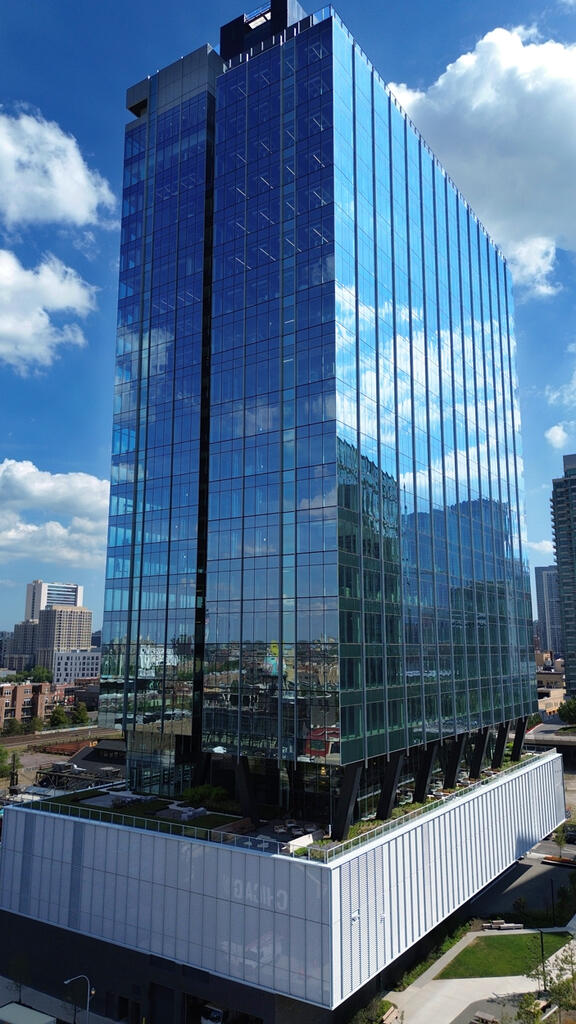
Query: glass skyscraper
column 316, row 595
column 316, row 527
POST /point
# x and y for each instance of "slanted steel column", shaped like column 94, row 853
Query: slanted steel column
column 500, row 747
column 519, row 738
column 479, row 753
column 201, row 771
column 246, row 790
column 294, row 770
column 422, row 782
column 389, row 784
column 454, row 758
column 345, row 805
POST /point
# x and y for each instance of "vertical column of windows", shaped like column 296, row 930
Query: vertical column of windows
column 475, row 593
column 118, row 632
column 378, row 741
column 393, row 675
column 439, row 677
column 478, row 519
column 497, row 634
column 406, row 406
column 391, row 593
column 228, row 465
column 519, row 691
column 315, row 506
column 349, row 515
column 495, row 511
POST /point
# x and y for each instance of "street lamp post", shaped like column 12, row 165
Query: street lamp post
column 89, row 991
column 543, row 959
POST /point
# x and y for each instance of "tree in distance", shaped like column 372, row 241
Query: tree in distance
column 41, row 674
column 58, row 718
column 80, row 715
column 12, row 727
column 35, row 724
column 8, row 762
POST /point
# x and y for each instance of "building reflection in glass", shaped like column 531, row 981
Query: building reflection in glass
column 316, row 532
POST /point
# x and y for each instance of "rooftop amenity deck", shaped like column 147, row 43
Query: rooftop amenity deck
column 282, row 837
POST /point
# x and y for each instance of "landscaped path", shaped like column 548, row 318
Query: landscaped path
column 431, row 999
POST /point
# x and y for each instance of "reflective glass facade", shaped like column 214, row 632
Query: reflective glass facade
column 316, row 522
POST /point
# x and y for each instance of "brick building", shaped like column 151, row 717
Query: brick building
column 24, row 701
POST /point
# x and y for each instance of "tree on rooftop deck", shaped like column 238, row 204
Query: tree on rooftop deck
column 567, row 711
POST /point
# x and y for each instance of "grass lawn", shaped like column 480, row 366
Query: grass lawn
column 501, row 955
column 212, row 820
column 147, row 809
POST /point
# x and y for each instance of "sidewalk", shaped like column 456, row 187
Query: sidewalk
column 430, row 998
column 47, row 1004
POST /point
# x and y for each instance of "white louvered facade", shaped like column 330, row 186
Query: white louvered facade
column 299, row 928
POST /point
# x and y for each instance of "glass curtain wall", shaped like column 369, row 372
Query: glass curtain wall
column 316, row 403
column 435, row 605
column 271, row 666
column 154, row 606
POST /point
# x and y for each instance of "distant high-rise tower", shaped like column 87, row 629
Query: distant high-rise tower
column 40, row 595
column 549, row 614
column 564, row 528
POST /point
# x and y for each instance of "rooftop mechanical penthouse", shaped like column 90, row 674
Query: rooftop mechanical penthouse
column 317, row 595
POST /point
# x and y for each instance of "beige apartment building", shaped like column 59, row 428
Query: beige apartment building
column 62, row 628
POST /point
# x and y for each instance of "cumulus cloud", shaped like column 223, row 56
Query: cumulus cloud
column 559, row 435
column 44, row 178
column 24, row 486
column 52, row 517
column 31, row 306
column 502, row 119
column 545, row 547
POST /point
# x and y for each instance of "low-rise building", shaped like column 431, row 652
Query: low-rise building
column 24, row 701
column 85, row 691
column 70, row 666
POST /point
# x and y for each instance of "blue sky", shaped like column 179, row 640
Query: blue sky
column 495, row 96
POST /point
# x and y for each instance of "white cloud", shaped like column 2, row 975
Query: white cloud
column 502, row 119
column 564, row 394
column 44, row 178
column 30, row 500
column 24, row 486
column 31, row 306
column 558, row 435
column 532, row 264
column 545, row 547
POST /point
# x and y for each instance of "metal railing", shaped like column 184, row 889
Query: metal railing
column 260, row 843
